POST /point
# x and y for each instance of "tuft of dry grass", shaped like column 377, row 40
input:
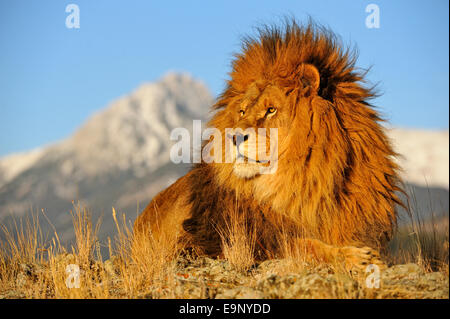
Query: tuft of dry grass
column 238, row 241
column 146, row 263
column 423, row 239
column 86, row 242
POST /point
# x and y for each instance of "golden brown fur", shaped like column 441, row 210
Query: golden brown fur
column 334, row 190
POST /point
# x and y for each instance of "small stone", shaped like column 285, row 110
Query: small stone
column 249, row 293
column 111, row 267
column 401, row 271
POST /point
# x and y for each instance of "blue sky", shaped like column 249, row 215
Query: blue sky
column 53, row 78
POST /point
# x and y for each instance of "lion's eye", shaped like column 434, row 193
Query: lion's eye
column 271, row 110
column 242, row 112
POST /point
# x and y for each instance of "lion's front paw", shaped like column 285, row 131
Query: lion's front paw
column 357, row 259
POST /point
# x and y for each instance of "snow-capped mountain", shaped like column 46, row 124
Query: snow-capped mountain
column 120, row 157
column 424, row 156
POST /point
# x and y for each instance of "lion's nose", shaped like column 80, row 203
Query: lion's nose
column 238, row 138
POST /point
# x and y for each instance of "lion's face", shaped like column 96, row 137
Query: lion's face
column 254, row 143
column 259, row 117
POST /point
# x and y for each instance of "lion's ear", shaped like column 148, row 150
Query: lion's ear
column 310, row 78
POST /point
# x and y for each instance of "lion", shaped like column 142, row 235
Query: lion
column 334, row 190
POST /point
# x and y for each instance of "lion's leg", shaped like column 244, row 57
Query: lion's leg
column 350, row 257
column 161, row 222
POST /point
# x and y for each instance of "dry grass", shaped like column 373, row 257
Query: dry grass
column 143, row 260
column 33, row 266
column 424, row 243
column 238, row 241
column 422, row 239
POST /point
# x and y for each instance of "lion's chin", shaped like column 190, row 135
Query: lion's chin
column 246, row 170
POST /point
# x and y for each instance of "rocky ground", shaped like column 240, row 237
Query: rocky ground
column 400, row 281
column 209, row 278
